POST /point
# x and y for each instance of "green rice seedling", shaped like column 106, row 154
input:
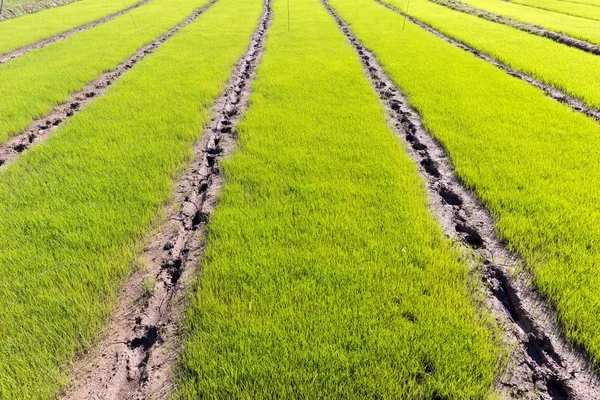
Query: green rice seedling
column 595, row 3
column 28, row 91
column 28, row 29
column 571, row 70
column 75, row 210
column 559, row 6
column 531, row 160
column 325, row 275
column 580, row 28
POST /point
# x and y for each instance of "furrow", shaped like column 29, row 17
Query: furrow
column 526, row 27
column 4, row 58
column 549, row 90
column 543, row 365
column 136, row 360
column 40, row 129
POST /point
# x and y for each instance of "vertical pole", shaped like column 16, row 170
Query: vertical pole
column 405, row 15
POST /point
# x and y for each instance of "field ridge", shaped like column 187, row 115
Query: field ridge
column 539, row 348
column 41, row 128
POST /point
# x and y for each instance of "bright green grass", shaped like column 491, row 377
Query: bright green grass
column 74, row 210
column 325, row 275
column 28, row 91
column 20, row 32
column 573, row 71
column 595, row 3
column 577, row 10
column 580, row 28
column 533, row 161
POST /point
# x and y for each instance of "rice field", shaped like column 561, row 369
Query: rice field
column 325, row 199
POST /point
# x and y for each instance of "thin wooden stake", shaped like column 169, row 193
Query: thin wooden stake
column 405, row 15
column 128, row 12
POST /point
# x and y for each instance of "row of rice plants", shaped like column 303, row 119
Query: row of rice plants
column 325, row 275
column 75, row 210
column 531, row 160
column 31, row 85
column 559, row 6
column 580, row 28
column 23, row 31
column 571, row 70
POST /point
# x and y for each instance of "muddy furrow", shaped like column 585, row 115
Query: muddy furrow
column 41, row 128
column 542, row 364
column 4, row 58
column 549, row 90
column 524, row 26
column 136, row 359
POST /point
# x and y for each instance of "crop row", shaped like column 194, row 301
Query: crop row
column 569, row 69
column 29, row 92
column 325, row 275
column 76, row 210
column 26, row 30
column 581, row 28
column 528, row 158
column 577, row 10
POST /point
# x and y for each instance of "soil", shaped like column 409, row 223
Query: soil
column 4, row 58
column 542, row 364
column 40, row 129
column 135, row 360
column 549, row 90
column 524, row 26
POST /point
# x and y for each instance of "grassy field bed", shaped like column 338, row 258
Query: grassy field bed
column 23, row 31
column 530, row 159
column 28, row 91
column 574, row 9
column 571, row 70
column 576, row 27
column 74, row 211
column 325, row 275
column 595, row 3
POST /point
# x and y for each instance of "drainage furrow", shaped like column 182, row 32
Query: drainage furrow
column 524, row 26
column 40, row 129
column 549, row 90
column 136, row 360
column 542, row 365
column 4, row 58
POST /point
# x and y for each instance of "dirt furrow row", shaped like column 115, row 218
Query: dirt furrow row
column 542, row 364
column 549, row 90
column 4, row 58
column 136, row 359
column 40, row 129
column 524, row 26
